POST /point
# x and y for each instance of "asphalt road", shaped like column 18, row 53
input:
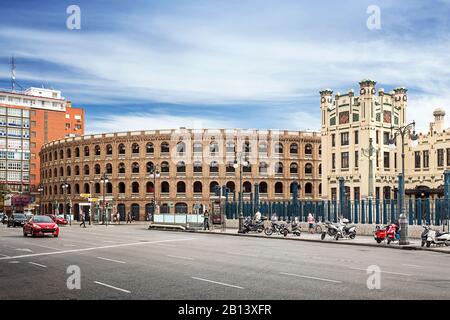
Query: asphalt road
column 131, row 262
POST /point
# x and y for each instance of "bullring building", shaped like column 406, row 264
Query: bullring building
column 178, row 169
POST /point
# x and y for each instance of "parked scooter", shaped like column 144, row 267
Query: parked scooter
column 293, row 227
column 276, row 227
column 331, row 229
column 424, row 235
column 251, row 225
column 339, row 230
column 438, row 238
column 389, row 233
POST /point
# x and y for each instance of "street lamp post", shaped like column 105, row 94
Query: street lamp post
column 154, row 173
column 242, row 162
column 40, row 190
column 369, row 153
column 409, row 130
column 65, row 186
column 104, row 180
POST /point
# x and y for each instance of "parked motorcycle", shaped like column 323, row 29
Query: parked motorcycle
column 424, row 235
column 292, row 227
column 389, row 233
column 438, row 238
column 331, row 229
column 339, row 230
column 275, row 227
column 251, row 225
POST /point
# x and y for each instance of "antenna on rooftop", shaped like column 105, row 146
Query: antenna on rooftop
column 13, row 75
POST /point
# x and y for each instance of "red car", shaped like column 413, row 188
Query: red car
column 58, row 219
column 40, row 226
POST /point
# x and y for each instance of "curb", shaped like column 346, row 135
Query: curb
column 373, row 245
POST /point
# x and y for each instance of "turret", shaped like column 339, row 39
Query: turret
column 439, row 115
column 367, row 93
column 326, row 101
column 400, row 103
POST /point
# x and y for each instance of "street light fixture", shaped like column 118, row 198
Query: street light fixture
column 154, row 173
column 369, row 153
column 241, row 164
column 104, row 180
column 410, row 131
column 40, row 190
column 65, row 186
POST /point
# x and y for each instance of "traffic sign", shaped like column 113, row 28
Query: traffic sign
column 85, row 195
column 93, row 199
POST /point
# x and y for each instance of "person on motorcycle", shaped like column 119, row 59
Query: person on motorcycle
column 257, row 216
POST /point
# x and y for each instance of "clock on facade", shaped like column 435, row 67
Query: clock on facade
column 323, row 99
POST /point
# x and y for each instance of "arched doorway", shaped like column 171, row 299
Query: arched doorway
column 121, row 211
column 76, row 211
column 135, row 209
column 181, row 207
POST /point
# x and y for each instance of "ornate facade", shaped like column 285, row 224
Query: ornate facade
column 190, row 164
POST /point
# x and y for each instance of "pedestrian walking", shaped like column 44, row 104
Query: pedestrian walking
column 311, row 221
column 118, row 217
column 206, row 220
column 83, row 220
column 128, row 217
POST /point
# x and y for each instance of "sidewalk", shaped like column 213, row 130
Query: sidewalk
column 369, row 241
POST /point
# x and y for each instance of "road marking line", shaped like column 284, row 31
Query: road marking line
column 308, row 277
column 412, row 265
column 180, row 257
column 14, row 262
column 111, row 260
column 109, row 241
column 37, row 264
column 389, row 272
column 3, row 255
column 243, row 254
column 69, row 245
column 92, row 248
column 112, row 287
column 221, row 283
column 40, row 245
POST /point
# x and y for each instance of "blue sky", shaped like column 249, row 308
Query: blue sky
column 205, row 63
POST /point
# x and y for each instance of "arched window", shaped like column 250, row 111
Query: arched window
column 213, row 148
column 86, row 188
column 135, row 187
column 198, row 148
column 165, row 147
column 212, row 186
column 135, row 148
column 278, row 168
column 320, row 189
column 121, row 167
column 121, row 149
column 61, row 172
column 165, row 167
column 109, row 149
column 247, row 187
column 308, row 168
column 230, row 167
column 149, row 167
column 231, row 186
column 293, row 168
column 247, row 168
column 77, row 170
column 109, row 168
column 293, row 149
column 149, row 188
column 278, row 147
column 263, row 187
column 320, row 149
column 97, row 188
column 49, row 173
column 291, row 188
column 68, row 171
column 86, row 170
column 320, row 168
column 108, row 188
column 181, row 167
column 231, row 147
column 263, row 167
column 97, row 150
column 56, row 155
column 149, row 148
column 198, row 187
column 246, row 147
column 49, row 156
column 181, row 148
column 97, row 169
column 214, row 167
column 278, row 187
column 262, row 148
column 308, row 149
column 77, row 188
column 77, row 153
column 69, row 189
column 135, row 167
column 121, row 187
column 55, row 172
column 61, row 154
column 86, row 151
column 197, row 166
column 308, row 188
column 69, row 153
column 181, row 187
column 181, row 207
column 165, row 187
